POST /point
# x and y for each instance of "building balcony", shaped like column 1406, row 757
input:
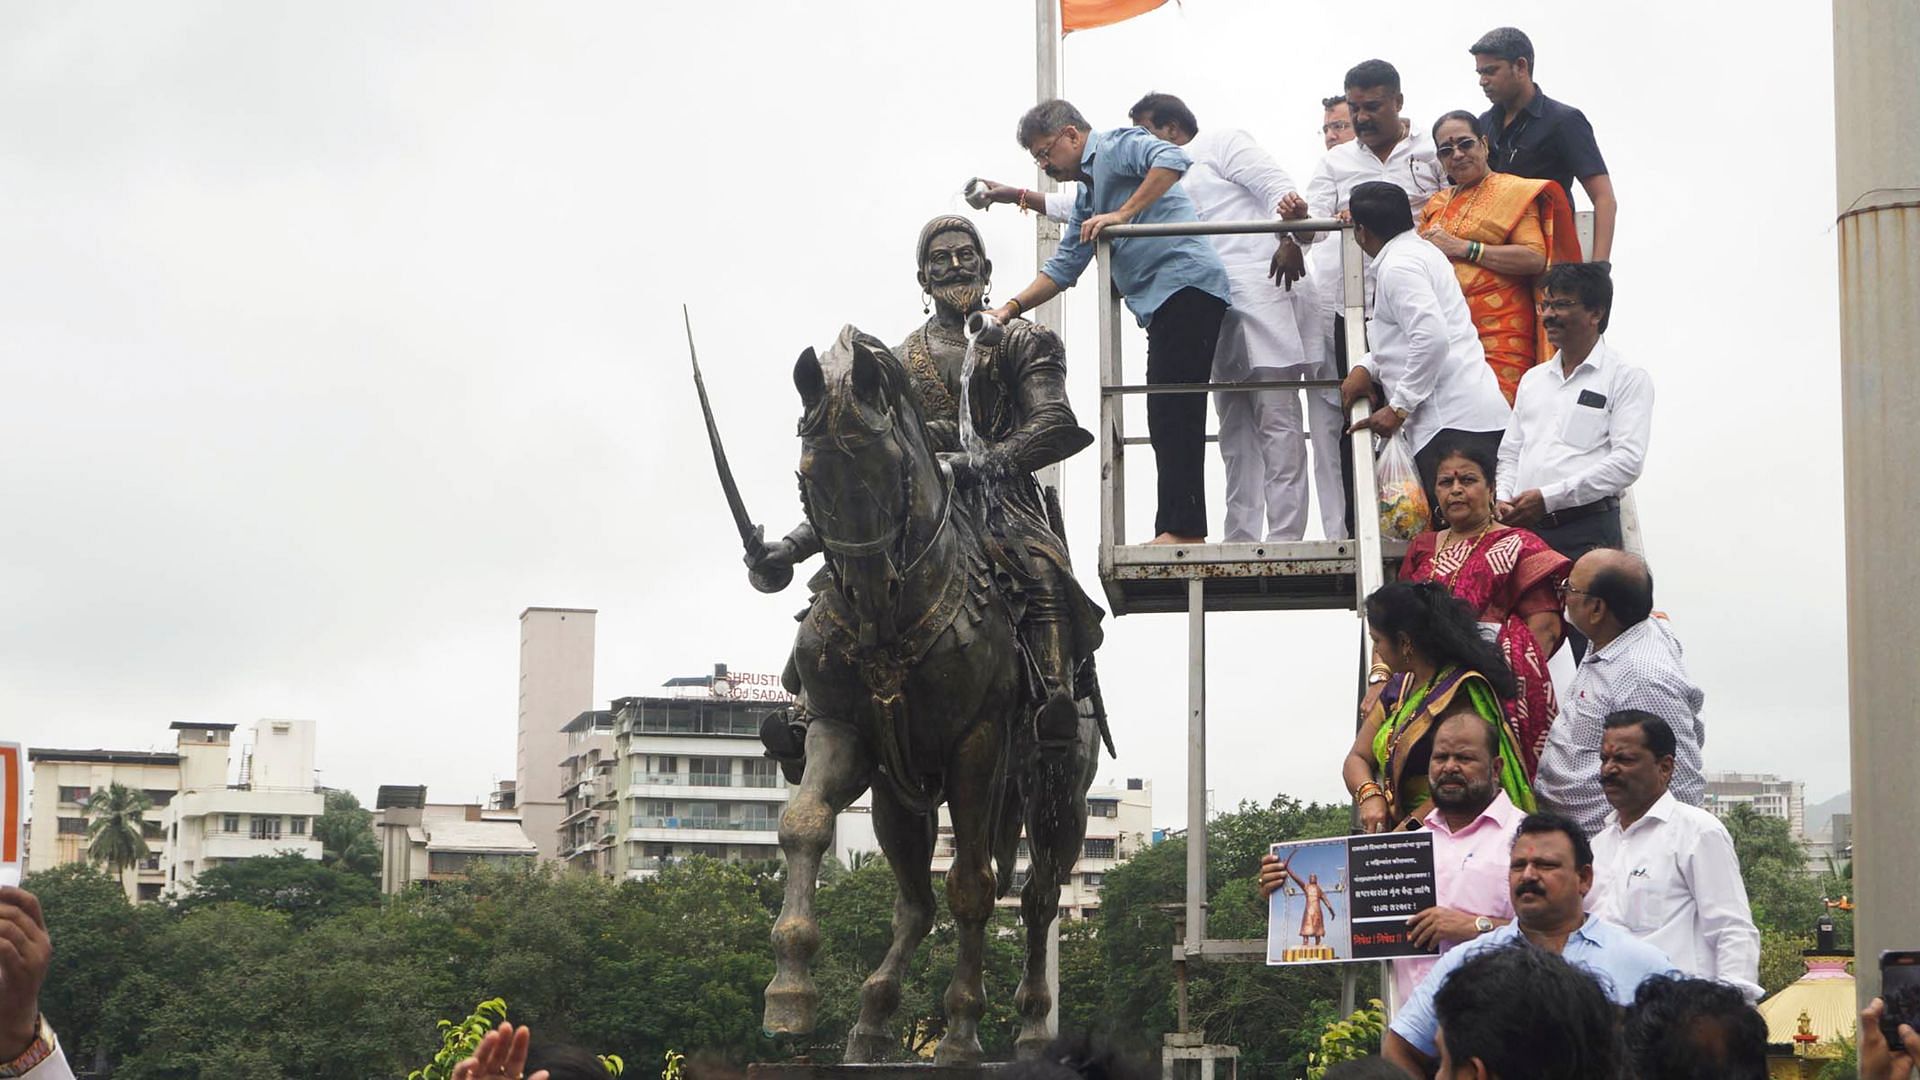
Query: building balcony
column 703, row 831
column 242, row 846
column 643, row 787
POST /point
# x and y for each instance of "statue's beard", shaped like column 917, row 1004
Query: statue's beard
column 961, row 296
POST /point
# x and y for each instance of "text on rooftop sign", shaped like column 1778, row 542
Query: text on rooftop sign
column 749, row 686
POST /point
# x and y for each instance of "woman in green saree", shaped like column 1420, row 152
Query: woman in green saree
column 1440, row 664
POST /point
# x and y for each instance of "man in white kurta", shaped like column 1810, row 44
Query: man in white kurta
column 1262, row 440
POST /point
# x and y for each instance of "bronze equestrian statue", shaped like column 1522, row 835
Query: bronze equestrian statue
column 947, row 655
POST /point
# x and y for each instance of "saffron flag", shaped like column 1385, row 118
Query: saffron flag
column 1087, row 14
column 12, row 814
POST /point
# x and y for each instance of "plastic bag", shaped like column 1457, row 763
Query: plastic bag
column 1404, row 512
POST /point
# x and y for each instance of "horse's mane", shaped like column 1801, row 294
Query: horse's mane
column 902, row 397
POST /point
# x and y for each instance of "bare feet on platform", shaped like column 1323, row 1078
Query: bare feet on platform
column 1176, row 538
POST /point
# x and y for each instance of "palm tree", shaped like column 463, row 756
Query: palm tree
column 116, row 835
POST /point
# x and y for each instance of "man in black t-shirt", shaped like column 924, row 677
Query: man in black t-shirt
column 1530, row 134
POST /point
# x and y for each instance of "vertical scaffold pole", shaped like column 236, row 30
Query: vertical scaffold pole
column 1878, row 195
column 1196, row 765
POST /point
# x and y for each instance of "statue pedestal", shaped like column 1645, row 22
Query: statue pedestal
column 1310, row 952
column 903, row 1070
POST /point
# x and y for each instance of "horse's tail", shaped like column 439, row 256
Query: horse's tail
column 1009, row 814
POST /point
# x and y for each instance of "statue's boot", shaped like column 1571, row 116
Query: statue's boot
column 1046, row 633
column 784, row 735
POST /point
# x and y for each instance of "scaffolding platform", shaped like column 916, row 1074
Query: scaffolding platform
column 1303, row 575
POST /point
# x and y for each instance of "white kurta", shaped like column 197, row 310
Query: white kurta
column 1263, row 338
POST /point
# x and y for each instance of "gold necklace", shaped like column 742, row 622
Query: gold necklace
column 1454, row 541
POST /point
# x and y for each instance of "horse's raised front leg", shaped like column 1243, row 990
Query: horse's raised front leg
column 970, row 890
column 1056, row 815
column 836, row 773
column 907, row 840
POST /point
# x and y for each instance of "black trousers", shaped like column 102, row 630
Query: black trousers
column 1576, row 538
column 1180, row 343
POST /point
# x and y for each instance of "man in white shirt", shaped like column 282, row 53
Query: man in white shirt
column 1382, row 146
column 1665, row 870
column 1426, row 361
column 1261, row 437
column 1580, row 427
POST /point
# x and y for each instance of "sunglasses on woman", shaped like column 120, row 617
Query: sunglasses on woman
column 1462, row 145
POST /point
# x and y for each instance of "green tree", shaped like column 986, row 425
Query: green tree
column 298, row 887
column 116, row 829
column 97, row 947
column 1784, row 897
column 345, row 832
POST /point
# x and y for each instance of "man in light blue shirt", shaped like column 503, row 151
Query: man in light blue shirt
column 1176, row 286
column 1550, row 874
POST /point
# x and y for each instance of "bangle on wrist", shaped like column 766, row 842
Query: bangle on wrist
column 1014, row 303
column 1367, row 791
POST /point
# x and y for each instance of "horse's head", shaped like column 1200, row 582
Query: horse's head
column 864, row 464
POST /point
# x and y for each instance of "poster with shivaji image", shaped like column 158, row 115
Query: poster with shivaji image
column 1349, row 898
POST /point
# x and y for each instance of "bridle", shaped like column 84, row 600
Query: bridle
column 891, row 542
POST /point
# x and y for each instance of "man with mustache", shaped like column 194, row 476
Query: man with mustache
column 1580, row 426
column 1175, row 286
column 1473, row 824
column 1378, row 146
column 1024, row 422
column 1549, row 874
column 1667, row 871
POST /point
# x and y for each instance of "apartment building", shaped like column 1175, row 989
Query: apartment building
column 63, row 781
column 589, row 798
column 268, row 810
column 1768, row 794
column 423, row 843
column 690, row 774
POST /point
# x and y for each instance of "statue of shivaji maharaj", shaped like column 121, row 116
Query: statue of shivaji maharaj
column 946, row 653
column 1020, row 412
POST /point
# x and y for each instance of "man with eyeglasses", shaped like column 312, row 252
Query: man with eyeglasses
column 1530, row 134
column 1635, row 664
column 1176, row 286
column 1580, row 426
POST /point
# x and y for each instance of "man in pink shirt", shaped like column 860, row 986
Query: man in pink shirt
column 1473, row 823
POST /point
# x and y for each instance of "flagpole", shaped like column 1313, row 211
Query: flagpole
column 1046, row 236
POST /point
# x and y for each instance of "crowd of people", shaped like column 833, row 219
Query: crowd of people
column 1463, row 226
column 1565, row 817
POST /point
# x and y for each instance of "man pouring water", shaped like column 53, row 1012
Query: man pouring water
column 1176, row 286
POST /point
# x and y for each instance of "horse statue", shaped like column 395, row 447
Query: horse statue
column 909, row 669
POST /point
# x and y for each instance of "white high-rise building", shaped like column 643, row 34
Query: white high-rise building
column 269, row 809
column 691, row 775
column 1769, row 796
column 556, row 685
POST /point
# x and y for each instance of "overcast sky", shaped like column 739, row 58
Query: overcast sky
column 335, row 335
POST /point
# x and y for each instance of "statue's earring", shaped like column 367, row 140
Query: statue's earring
column 926, row 301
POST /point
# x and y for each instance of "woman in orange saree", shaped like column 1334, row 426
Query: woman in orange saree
column 1500, row 231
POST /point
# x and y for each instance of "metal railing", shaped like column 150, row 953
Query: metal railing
column 1362, row 490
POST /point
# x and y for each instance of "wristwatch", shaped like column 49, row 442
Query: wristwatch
column 37, row 1051
column 1483, row 924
